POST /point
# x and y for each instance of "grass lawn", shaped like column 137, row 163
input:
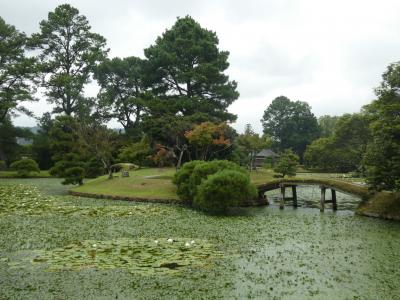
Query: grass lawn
column 156, row 184
column 13, row 174
column 143, row 183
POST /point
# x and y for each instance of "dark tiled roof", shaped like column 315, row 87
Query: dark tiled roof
column 266, row 153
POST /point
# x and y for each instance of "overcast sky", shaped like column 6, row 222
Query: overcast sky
column 330, row 54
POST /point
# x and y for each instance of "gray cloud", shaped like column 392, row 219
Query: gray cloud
column 331, row 54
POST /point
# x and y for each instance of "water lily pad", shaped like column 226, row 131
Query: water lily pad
column 142, row 256
column 27, row 200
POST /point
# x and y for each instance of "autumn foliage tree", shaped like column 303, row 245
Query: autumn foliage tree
column 251, row 142
column 208, row 138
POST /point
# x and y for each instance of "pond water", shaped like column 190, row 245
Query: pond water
column 256, row 253
column 309, row 196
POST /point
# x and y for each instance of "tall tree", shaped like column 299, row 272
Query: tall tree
column 10, row 150
column 251, row 143
column 17, row 71
column 66, row 147
column 123, row 90
column 287, row 164
column 208, row 138
column 382, row 159
column 290, row 124
column 69, row 54
column 344, row 149
column 100, row 143
column 41, row 143
column 327, row 125
column 187, row 69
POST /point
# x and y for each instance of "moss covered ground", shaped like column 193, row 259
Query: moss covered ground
column 55, row 246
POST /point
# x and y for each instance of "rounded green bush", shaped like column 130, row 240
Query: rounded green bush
column 25, row 166
column 224, row 189
column 202, row 171
column 74, row 175
column 181, row 180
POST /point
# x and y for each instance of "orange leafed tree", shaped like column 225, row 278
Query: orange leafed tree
column 206, row 135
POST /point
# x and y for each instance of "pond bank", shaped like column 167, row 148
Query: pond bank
column 384, row 205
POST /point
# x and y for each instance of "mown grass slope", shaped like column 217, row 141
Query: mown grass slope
column 151, row 184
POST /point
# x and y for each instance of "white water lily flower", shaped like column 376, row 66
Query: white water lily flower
column 187, row 244
column 170, row 240
column 156, row 242
column 192, row 242
column 94, row 245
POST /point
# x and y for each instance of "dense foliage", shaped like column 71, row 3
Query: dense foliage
column 17, row 71
column 194, row 174
column 343, row 151
column 187, row 68
column 136, row 153
column 173, row 106
column 182, row 180
column 224, row 189
column 382, row 158
column 287, row 164
column 24, row 167
column 290, row 124
column 123, row 95
column 249, row 143
column 69, row 52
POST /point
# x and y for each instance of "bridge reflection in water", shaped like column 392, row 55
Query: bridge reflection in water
column 310, row 195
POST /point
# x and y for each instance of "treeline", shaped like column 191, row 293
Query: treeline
column 172, row 105
column 367, row 142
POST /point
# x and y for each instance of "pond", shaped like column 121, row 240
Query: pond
column 309, row 197
column 79, row 248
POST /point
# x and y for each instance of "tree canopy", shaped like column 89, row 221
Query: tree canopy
column 250, row 143
column 17, row 71
column 382, row 158
column 69, row 52
column 342, row 151
column 123, row 90
column 187, row 71
column 290, row 124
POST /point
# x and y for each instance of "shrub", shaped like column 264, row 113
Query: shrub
column 137, row 153
column 163, row 157
column 181, row 180
column 94, row 168
column 25, row 166
column 287, row 164
column 224, row 189
column 74, row 175
column 68, row 161
column 193, row 173
column 3, row 165
column 202, row 171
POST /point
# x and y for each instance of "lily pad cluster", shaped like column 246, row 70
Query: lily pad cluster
column 144, row 256
column 24, row 199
